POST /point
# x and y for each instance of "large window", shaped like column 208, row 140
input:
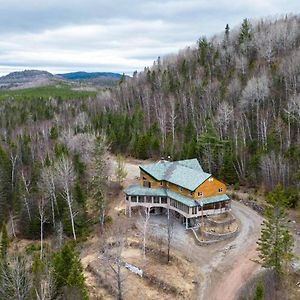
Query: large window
column 179, row 205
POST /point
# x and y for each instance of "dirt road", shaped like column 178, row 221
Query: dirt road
column 223, row 267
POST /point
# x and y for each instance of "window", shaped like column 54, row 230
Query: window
column 133, row 199
column 141, row 199
column 149, row 199
column 180, row 189
column 194, row 210
column 163, row 200
column 161, row 183
column 220, row 190
column 156, row 199
column 200, row 194
column 127, row 198
column 192, row 193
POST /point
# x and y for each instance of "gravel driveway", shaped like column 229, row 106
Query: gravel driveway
column 223, row 267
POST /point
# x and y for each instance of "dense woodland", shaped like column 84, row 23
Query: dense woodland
column 232, row 101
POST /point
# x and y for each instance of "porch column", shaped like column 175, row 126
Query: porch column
column 129, row 207
column 202, row 216
column 186, row 223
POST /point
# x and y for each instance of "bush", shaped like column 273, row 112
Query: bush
column 236, row 186
column 108, row 220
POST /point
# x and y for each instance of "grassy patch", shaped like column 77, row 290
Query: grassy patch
column 60, row 91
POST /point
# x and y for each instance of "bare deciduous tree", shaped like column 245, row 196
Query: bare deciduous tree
column 145, row 229
column 15, row 279
column 66, row 177
column 42, row 206
column 111, row 248
column 170, row 232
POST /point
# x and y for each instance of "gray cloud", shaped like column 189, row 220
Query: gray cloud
column 115, row 35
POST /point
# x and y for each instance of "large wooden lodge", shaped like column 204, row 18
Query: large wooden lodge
column 181, row 186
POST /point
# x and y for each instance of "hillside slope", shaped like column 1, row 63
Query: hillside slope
column 232, row 101
column 24, row 79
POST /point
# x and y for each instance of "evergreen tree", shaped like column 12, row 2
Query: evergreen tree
column 227, row 30
column 98, row 183
column 4, row 243
column 68, row 272
column 245, row 32
column 259, row 292
column 276, row 242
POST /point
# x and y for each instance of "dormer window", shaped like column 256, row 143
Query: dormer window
column 200, row 194
column 220, row 190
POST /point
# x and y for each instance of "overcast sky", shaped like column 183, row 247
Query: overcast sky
column 114, row 35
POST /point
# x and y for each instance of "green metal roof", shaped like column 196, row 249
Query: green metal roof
column 185, row 173
column 191, row 163
column 213, row 199
column 137, row 190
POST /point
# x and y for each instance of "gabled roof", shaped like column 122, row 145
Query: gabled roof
column 185, row 173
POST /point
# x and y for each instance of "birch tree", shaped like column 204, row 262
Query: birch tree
column 120, row 171
column 145, row 229
column 47, row 185
column 65, row 179
column 42, row 206
column 15, row 278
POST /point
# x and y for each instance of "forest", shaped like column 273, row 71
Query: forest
column 232, row 101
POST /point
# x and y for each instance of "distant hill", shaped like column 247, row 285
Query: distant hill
column 90, row 75
column 36, row 78
column 24, row 79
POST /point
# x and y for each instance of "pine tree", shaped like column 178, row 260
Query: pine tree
column 4, row 243
column 276, row 242
column 68, row 272
column 120, row 171
column 259, row 292
column 98, row 183
column 245, row 32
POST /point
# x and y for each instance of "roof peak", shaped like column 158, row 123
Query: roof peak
column 185, row 173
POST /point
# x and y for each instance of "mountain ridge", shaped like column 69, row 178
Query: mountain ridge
column 37, row 78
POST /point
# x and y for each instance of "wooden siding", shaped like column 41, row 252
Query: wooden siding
column 168, row 185
column 210, row 188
